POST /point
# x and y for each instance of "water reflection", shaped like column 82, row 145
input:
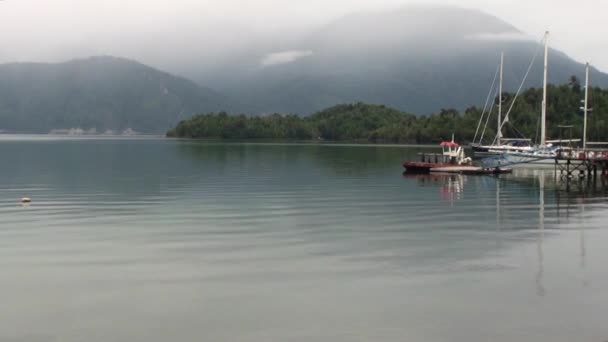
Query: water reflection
column 280, row 238
column 540, row 287
column 557, row 204
column 571, row 199
column 450, row 186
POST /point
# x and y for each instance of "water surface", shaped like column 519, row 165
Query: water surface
column 164, row 240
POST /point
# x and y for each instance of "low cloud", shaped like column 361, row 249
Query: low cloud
column 503, row 36
column 284, row 57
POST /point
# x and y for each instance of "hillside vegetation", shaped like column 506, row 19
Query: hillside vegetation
column 377, row 123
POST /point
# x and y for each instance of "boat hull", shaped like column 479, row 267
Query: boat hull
column 422, row 167
column 426, row 168
column 480, row 151
column 470, row 170
column 519, row 159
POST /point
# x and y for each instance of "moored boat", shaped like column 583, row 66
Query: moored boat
column 500, row 144
column 452, row 155
column 519, row 151
column 451, row 160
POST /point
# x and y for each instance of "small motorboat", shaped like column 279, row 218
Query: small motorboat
column 452, row 155
column 451, row 160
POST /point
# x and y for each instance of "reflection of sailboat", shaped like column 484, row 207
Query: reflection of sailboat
column 540, row 288
column 583, row 248
column 497, row 204
column 498, row 216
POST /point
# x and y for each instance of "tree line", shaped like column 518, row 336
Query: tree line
column 377, row 123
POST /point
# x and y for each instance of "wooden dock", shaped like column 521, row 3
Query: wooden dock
column 581, row 163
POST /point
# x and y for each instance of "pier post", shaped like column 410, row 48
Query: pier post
column 582, row 170
column 555, row 168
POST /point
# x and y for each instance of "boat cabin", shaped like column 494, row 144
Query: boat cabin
column 452, row 153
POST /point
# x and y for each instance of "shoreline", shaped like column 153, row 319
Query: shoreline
column 17, row 136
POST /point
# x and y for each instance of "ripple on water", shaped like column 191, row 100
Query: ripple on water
column 284, row 238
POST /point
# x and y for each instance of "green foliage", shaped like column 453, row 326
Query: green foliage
column 224, row 126
column 376, row 123
column 347, row 122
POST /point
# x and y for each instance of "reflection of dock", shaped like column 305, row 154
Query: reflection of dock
column 562, row 187
column 549, row 211
column 540, row 286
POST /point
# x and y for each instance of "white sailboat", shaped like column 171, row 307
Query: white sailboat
column 520, row 151
column 544, row 153
column 501, row 145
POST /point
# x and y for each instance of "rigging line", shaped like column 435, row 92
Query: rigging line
column 485, row 106
column 488, row 118
column 506, row 119
column 518, row 132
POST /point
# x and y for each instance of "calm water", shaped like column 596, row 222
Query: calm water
column 156, row 240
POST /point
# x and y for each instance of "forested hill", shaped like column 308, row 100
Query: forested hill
column 101, row 94
column 377, row 123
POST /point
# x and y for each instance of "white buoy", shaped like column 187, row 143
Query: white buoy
column 26, row 200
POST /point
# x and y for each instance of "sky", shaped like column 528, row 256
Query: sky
column 57, row 30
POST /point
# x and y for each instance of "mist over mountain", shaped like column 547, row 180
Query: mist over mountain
column 418, row 59
column 100, row 93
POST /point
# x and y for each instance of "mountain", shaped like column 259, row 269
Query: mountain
column 100, row 93
column 416, row 59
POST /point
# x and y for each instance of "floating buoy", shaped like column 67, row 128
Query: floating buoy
column 26, row 200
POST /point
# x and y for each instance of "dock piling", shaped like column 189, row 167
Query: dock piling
column 583, row 164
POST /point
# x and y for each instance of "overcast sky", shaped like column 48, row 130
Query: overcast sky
column 52, row 30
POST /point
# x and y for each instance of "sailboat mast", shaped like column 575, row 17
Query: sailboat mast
column 586, row 106
column 499, row 129
column 543, row 136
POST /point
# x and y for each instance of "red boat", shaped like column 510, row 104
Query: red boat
column 453, row 155
column 452, row 160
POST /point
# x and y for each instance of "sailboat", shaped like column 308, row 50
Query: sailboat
column 545, row 152
column 501, row 144
column 520, row 151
